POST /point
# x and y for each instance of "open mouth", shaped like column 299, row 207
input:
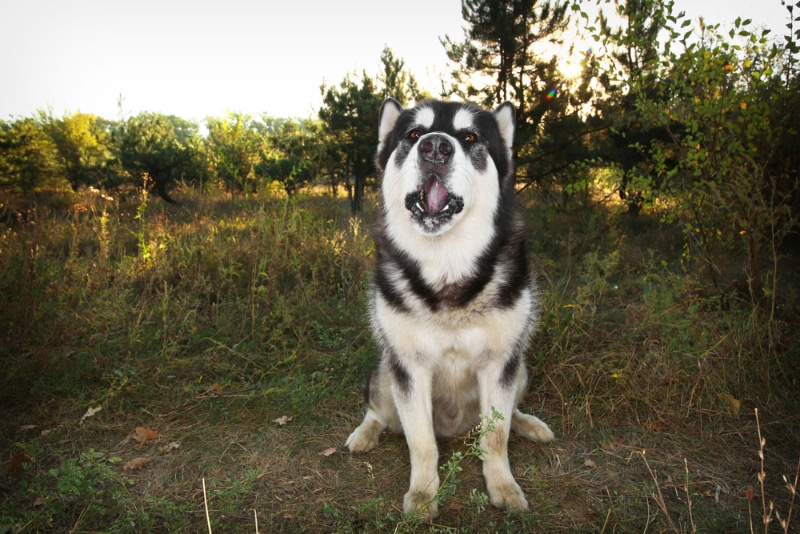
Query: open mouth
column 433, row 203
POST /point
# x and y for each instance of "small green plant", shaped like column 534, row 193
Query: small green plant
column 452, row 467
column 141, row 235
column 226, row 499
column 103, row 237
column 84, row 492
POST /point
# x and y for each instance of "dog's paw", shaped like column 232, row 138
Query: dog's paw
column 421, row 503
column 365, row 437
column 507, row 495
column 362, row 439
column 531, row 427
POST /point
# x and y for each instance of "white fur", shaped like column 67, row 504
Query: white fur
column 390, row 111
column 504, row 115
column 425, row 117
column 463, row 119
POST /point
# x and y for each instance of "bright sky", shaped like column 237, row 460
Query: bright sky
column 201, row 58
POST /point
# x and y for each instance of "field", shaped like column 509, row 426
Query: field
column 194, row 367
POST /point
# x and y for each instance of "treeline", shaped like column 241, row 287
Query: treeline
column 663, row 113
column 238, row 151
column 78, row 150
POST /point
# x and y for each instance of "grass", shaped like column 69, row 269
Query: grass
column 236, row 330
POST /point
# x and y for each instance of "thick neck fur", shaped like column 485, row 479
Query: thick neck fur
column 446, row 259
column 454, row 268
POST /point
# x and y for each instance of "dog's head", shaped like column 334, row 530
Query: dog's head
column 443, row 162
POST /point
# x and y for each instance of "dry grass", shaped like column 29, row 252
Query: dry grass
column 209, row 321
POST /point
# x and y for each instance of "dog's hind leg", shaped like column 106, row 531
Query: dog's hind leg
column 365, row 436
column 523, row 424
column 381, row 413
column 531, row 427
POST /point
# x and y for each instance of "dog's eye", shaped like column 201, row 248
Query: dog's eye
column 470, row 137
column 414, row 135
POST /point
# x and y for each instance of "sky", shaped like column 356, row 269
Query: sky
column 203, row 58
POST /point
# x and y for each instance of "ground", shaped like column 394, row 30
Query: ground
column 225, row 340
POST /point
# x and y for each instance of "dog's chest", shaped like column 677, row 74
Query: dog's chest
column 473, row 331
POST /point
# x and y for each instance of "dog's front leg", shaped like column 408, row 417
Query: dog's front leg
column 497, row 393
column 412, row 396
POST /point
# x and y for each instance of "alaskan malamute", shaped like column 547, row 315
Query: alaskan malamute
column 452, row 305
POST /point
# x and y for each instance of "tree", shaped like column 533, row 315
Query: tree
column 293, row 153
column 235, row 145
column 710, row 119
column 397, row 82
column 350, row 113
column 28, row 157
column 148, row 144
column 500, row 51
column 507, row 54
column 637, row 47
column 82, row 146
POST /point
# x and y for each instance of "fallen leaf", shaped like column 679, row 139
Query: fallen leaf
column 658, row 426
column 23, row 428
column 590, row 464
column 89, row 413
column 328, row 451
column 282, row 420
column 39, row 501
column 143, row 434
column 15, row 463
column 137, row 463
column 216, row 389
column 169, row 447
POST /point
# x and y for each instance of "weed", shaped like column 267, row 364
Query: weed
column 145, row 250
column 768, row 505
column 86, row 490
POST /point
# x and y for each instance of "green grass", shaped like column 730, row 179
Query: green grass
column 210, row 320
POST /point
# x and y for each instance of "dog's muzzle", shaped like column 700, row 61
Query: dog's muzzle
column 432, row 202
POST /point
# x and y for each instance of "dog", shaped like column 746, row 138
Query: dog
column 452, row 303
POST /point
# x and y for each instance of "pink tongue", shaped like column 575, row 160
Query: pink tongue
column 435, row 195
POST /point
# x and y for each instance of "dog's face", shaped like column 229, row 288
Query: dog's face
column 443, row 162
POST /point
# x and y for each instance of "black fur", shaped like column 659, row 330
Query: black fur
column 401, row 377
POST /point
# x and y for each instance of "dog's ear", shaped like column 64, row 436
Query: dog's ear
column 505, row 117
column 390, row 111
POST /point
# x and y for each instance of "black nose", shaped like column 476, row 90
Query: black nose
column 435, row 149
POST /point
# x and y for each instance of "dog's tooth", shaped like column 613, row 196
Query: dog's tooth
column 420, row 206
column 446, row 208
